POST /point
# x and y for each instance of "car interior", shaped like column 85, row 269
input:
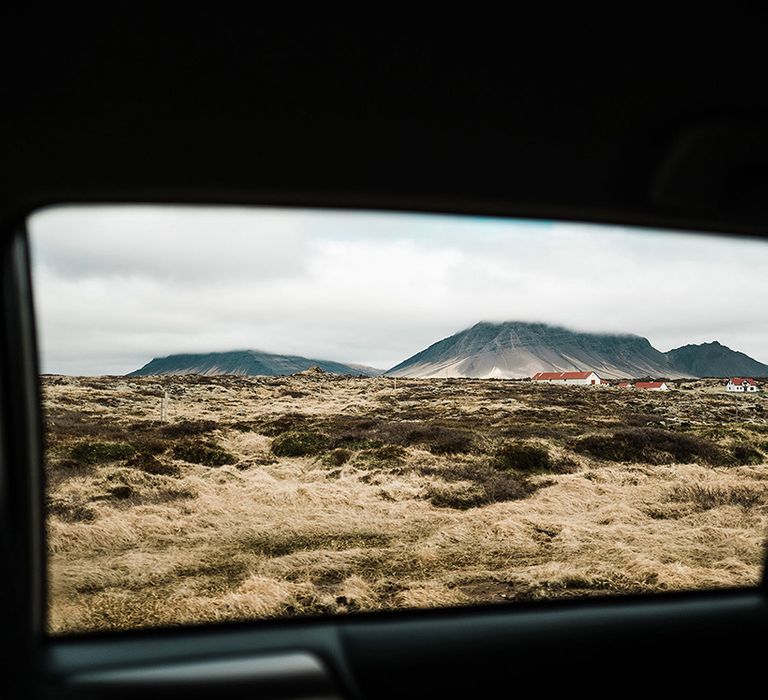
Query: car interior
column 138, row 112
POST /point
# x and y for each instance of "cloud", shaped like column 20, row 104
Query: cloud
column 118, row 286
column 172, row 244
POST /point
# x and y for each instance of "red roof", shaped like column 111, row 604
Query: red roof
column 561, row 375
column 741, row 380
column 624, row 385
column 649, row 385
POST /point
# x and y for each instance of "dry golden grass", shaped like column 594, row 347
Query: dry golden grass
column 399, row 498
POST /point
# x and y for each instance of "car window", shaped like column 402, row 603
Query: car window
column 260, row 413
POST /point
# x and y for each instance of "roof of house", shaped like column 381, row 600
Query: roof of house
column 562, row 375
column 649, row 385
column 624, row 384
column 743, row 380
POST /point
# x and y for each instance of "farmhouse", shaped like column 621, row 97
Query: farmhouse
column 652, row 386
column 625, row 385
column 742, row 384
column 584, row 378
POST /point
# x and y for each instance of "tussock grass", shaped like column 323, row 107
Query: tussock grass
column 299, row 443
column 207, row 452
column 382, row 457
column 282, row 424
column 652, row 446
column 152, row 465
column 71, row 509
column 187, row 428
column 707, row 497
column 747, row 454
column 523, row 457
column 339, row 456
column 471, row 485
column 94, row 452
column 392, row 507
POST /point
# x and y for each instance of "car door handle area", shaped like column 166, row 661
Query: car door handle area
column 294, row 675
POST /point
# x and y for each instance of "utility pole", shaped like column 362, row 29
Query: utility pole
column 164, row 407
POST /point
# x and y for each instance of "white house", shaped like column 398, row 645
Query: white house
column 583, row 378
column 652, row 386
column 742, row 384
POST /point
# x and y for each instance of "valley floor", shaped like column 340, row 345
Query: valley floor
column 313, row 494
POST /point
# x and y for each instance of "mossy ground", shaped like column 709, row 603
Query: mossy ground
column 266, row 497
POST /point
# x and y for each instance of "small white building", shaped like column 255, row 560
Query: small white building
column 582, row 378
column 742, row 384
column 652, row 386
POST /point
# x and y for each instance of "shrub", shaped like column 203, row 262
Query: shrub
column 442, row 441
column 60, row 470
column 71, row 510
column 243, row 426
column 189, row 428
column 486, row 485
column 283, row 424
column 149, row 464
column 652, row 446
column 523, row 457
column 148, row 445
column 94, row 452
column 641, row 420
column 746, row 454
column 351, row 442
column 339, row 456
column 388, row 453
column 207, row 453
column 361, row 432
column 506, row 487
column 120, row 492
column 354, row 432
column 439, row 439
column 299, row 443
column 564, row 465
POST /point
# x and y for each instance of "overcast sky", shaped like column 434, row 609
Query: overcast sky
column 117, row 286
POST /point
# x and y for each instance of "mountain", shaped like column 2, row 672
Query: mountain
column 515, row 349
column 507, row 350
column 715, row 360
column 245, row 362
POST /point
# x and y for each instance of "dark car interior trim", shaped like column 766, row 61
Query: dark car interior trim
column 20, row 444
column 137, row 110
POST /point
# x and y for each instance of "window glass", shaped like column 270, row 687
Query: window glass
column 261, row 413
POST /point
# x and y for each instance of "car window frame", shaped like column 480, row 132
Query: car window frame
column 22, row 499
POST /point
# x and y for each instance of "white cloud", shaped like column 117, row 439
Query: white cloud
column 118, row 286
column 172, row 244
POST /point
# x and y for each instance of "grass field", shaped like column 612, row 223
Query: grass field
column 313, row 494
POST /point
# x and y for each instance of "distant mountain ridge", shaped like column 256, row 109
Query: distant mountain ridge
column 516, row 349
column 246, row 363
column 715, row 360
column 513, row 349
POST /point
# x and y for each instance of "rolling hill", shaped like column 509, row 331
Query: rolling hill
column 245, row 362
column 715, row 360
